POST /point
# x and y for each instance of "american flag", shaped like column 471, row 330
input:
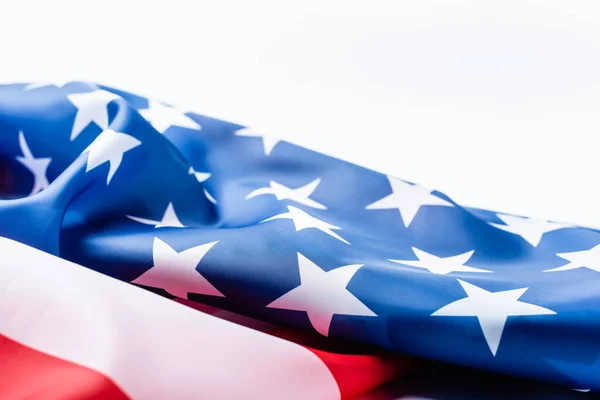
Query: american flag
column 148, row 252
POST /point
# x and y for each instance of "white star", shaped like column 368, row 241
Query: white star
column 169, row 219
column 303, row 220
column 408, row 199
column 176, row 272
column 530, row 229
column 200, row 176
column 492, row 309
column 37, row 85
column 299, row 195
column 109, row 147
column 580, row 259
column 268, row 142
column 441, row 265
column 91, row 107
column 37, row 166
column 322, row 295
column 162, row 117
column 209, row 197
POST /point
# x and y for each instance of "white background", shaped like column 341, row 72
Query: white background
column 497, row 104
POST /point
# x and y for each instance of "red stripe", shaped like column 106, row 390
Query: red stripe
column 26, row 373
column 358, row 374
column 355, row 374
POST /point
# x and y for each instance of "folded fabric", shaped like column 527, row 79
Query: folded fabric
column 70, row 333
column 199, row 209
column 96, row 338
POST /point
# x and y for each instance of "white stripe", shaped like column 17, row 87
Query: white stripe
column 153, row 348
